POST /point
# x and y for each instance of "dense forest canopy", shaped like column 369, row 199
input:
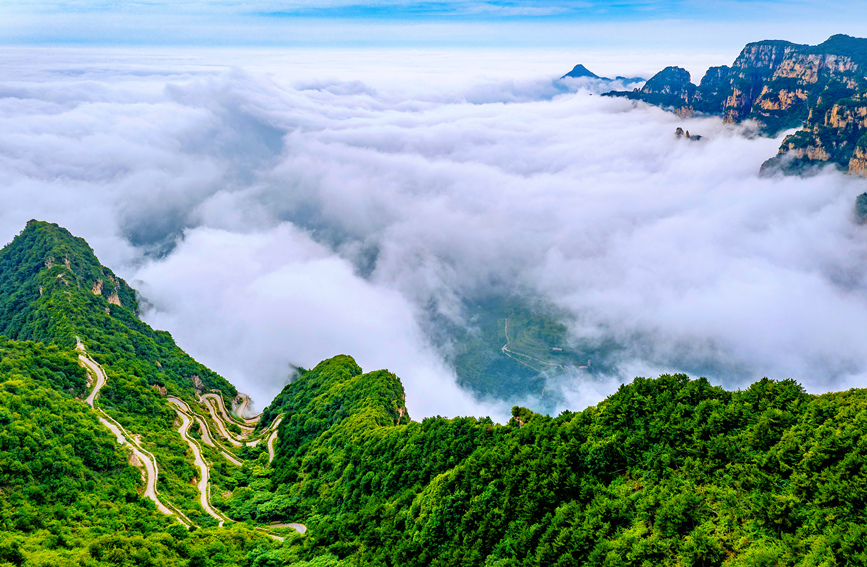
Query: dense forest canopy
column 666, row 471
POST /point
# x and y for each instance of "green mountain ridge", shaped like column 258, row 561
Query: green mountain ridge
column 69, row 493
column 666, row 471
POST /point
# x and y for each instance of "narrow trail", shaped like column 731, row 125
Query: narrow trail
column 513, row 355
column 221, row 426
column 241, row 410
column 206, row 431
column 300, row 528
column 271, row 432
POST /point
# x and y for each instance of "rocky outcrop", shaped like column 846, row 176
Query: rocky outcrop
column 782, row 85
column 671, row 88
column 837, row 135
column 861, row 208
column 858, row 162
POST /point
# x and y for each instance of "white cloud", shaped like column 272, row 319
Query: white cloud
column 322, row 201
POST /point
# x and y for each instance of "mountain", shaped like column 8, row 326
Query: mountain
column 782, row 85
column 582, row 72
column 666, row 471
column 70, row 493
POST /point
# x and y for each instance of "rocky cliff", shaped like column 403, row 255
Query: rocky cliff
column 782, row 85
column 671, row 87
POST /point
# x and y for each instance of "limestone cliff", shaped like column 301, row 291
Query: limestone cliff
column 782, row 85
column 858, row 163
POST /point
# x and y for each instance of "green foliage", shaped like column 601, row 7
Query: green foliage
column 52, row 289
column 67, row 493
column 667, row 471
column 538, row 344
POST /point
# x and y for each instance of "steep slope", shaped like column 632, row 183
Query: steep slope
column 782, row 85
column 68, row 495
column 53, row 290
column 670, row 471
column 667, row 471
column 69, row 492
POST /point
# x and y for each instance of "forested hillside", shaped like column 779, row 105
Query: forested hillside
column 667, row 471
column 69, row 493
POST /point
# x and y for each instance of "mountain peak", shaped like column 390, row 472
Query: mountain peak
column 53, row 289
column 580, row 71
column 46, row 268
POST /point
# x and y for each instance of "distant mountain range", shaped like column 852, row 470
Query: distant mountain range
column 782, row 85
column 581, row 72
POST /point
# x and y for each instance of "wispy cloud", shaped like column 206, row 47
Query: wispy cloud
column 678, row 27
column 323, row 203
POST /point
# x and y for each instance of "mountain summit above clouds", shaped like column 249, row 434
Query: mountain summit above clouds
column 582, row 72
column 781, row 85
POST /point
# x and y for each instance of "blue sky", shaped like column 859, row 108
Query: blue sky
column 637, row 24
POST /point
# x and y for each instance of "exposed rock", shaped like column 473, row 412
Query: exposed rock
column 670, row 87
column 197, row 382
column 861, row 208
column 858, row 163
column 681, row 134
column 783, row 85
column 97, row 287
column 161, row 389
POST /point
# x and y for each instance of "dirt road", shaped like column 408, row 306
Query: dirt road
column 206, row 432
column 199, row 461
column 273, row 438
column 146, row 459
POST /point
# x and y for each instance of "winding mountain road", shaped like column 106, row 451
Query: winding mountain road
column 226, row 415
column 206, row 431
column 144, row 459
column 221, row 426
column 273, row 438
column 199, row 460
column 241, row 410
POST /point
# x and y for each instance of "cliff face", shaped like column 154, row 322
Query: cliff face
column 858, row 163
column 782, row 85
column 835, row 134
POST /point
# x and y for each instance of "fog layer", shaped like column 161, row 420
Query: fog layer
column 273, row 215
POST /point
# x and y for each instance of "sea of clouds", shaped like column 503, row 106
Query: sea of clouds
column 278, row 209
